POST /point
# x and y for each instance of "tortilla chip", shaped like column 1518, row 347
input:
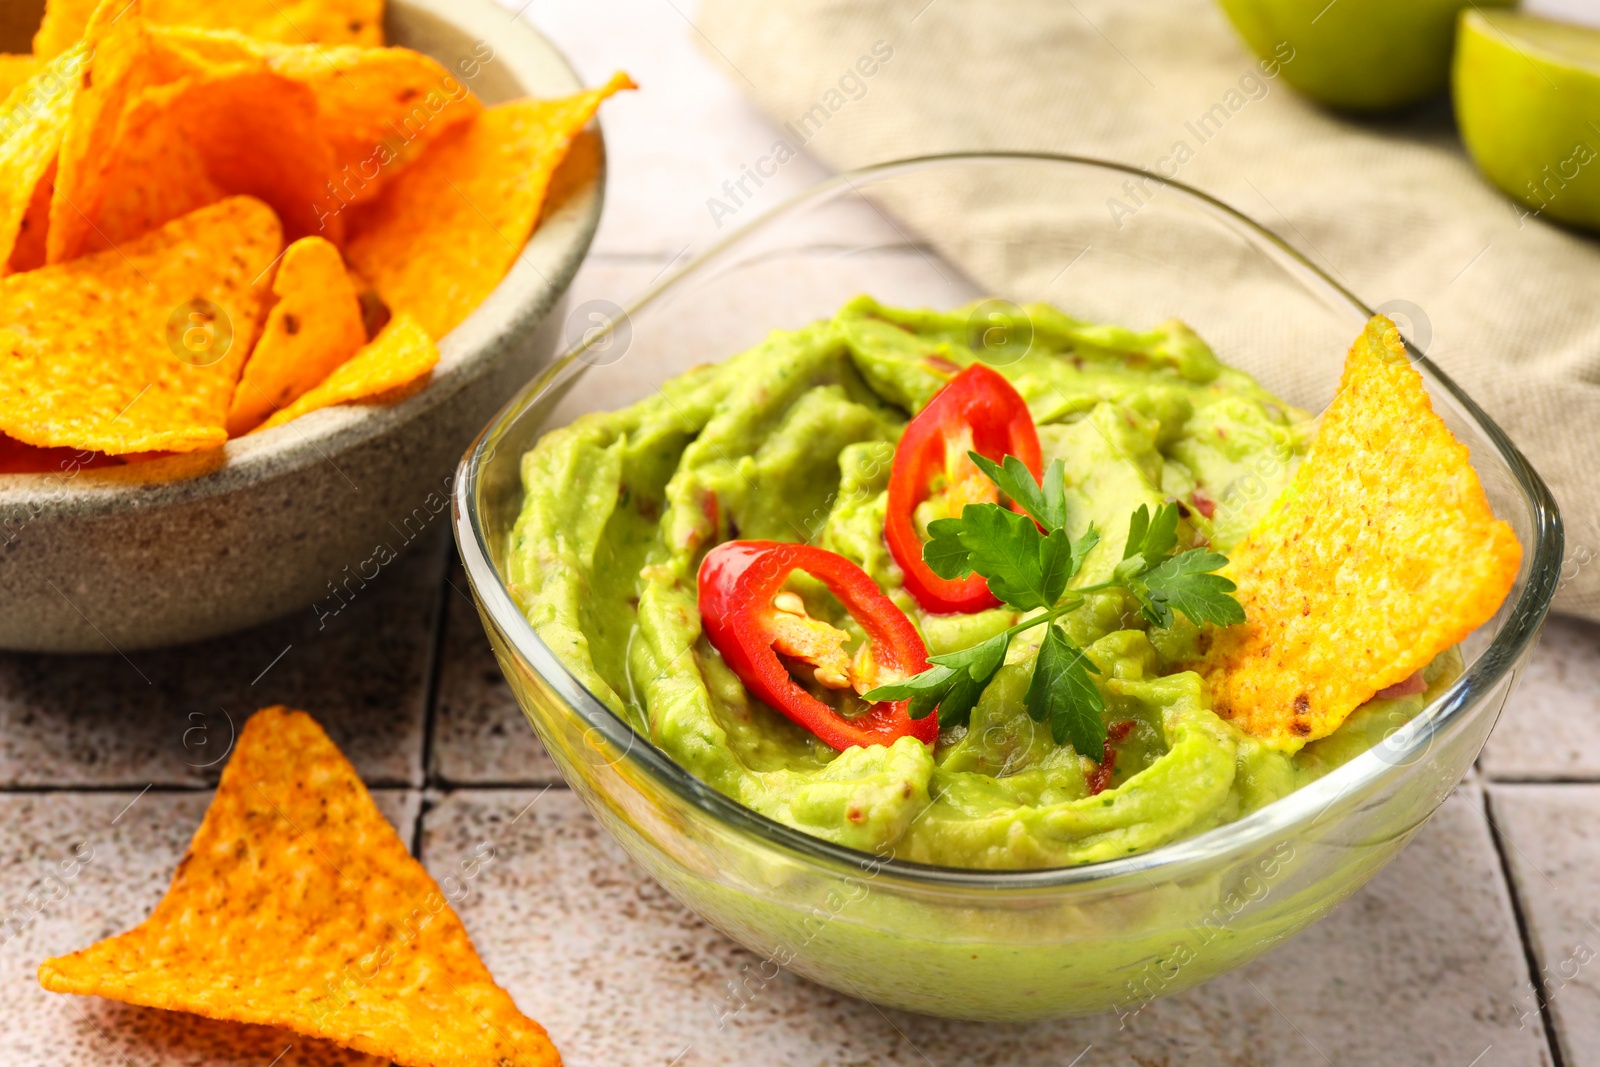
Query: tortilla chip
column 160, row 131
column 379, row 108
column 395, row 360
column 314, row 327
column 259, row 135
column 33, row 120
column 440, row 237
column 18, row 458
column 96, row 353
column 585, row 156
column 290, row 21
column 28, row 251
column 14, row 70
column 1381, row 554
column 298, row 906
column 155, row 173
column 180, row 117
column 120, row 65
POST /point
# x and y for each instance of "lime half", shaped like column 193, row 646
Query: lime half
column 1355, row 55
column 1527, row 95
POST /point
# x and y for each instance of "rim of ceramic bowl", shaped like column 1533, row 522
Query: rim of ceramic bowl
column 538, row 279
column 1360, row 776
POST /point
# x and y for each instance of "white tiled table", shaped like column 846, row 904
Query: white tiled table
column 1477, row 947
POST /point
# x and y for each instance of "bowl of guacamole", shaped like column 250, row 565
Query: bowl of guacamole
column 697, row 545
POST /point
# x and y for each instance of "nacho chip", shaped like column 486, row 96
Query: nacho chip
column 313, row 328
column 289, row 21
column 1381, row 554
column 394, row 361
column 377, row 107
column 155, row 173
column 28, row 250
column 120, row 65
column 158, row 132
column 259, row 135
column 298, row 906
column 14, row 70
column 33, row 120
column 440, row 237
column 585, row 157
column 121, row 351
column 175, row 118
column 18, row 458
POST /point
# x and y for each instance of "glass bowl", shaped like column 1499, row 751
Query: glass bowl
column 998, row 944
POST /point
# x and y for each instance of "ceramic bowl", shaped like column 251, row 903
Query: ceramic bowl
column 294, row 518
column 981, row 944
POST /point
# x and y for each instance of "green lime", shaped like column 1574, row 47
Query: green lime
column 1527, row 94
column 1356, row 55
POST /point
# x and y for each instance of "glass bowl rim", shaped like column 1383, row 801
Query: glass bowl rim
column 1273, row 821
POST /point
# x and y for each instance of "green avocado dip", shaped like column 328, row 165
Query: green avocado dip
column 792, row 441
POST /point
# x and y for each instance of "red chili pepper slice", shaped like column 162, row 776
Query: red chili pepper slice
column 978, row 411
column 751, row 619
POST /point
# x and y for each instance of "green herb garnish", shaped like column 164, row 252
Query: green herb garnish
column 1029, row 570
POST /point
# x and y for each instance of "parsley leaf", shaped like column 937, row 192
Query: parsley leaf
column 944, row 553
column 1151, row 537
column 1047, row 503
column 1184, row 582
column 1063, row 695
column 1004, row 547
column 1028, row 562
column 981, row 660
column 953, row 684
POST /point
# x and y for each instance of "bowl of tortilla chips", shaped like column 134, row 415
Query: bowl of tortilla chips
column 264, row 271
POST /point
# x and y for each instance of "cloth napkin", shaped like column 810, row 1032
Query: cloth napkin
column 1393, row 208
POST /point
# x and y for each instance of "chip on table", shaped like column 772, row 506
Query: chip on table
column 298, row 906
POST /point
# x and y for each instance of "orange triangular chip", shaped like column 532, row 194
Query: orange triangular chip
column 158, row 131
column 398, row 358
column 176, row 117
column 28, row 250
column 289, row 21
column 14, row 70
column 120, row 67
column 137, row 348
column 378, row 107
column 1381, row 554
column 32, row 122
column 18, row 458
column 298, row 906
column 313, row 328
column 440, row 237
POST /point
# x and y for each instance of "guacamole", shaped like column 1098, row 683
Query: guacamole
column 793, row 441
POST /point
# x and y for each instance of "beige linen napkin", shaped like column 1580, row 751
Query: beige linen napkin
column 1393, row 209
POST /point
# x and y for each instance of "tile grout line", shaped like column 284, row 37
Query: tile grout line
column 1530, row 955
column 447, row 786
column 1533, row 779
column 430, row 690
